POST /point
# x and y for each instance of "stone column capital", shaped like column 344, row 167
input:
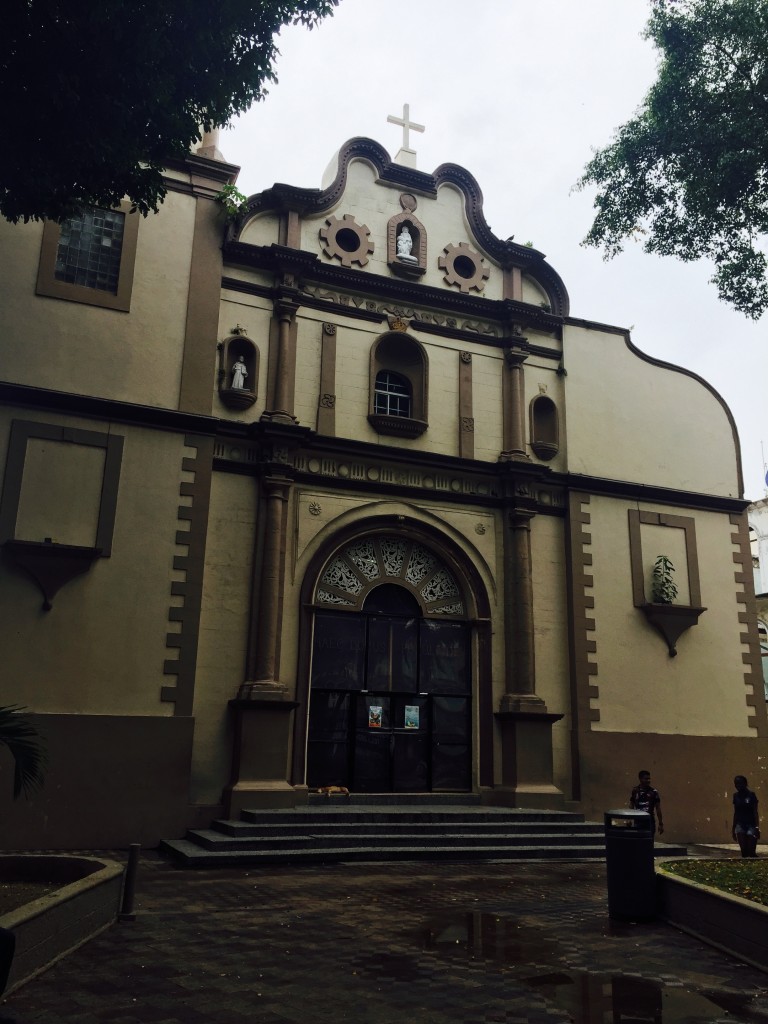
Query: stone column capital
column 286, row 305
column 515, row 357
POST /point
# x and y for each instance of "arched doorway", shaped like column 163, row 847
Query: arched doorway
column 390, row 705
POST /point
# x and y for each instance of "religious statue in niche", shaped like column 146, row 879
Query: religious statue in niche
column 239, row 373
column 405, row 245
column 406, row 240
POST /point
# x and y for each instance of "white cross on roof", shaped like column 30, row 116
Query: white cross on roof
column 407, row 125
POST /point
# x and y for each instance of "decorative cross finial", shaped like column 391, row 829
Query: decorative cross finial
column 406, row 123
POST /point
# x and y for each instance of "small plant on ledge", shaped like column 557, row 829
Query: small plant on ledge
column 663, row 586
column 232, row 200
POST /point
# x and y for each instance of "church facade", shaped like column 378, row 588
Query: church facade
column 337, row 491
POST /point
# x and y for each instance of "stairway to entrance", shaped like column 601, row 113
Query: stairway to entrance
column 387, row 827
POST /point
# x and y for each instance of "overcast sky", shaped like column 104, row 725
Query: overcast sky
column 519, row 94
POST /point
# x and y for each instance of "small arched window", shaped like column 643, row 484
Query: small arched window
column 398, row 402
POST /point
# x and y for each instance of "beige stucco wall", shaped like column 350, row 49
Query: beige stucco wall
column 701, row 692
column 629, row 419
column 263, row 229
column 550, row 615
column 223, row 630
column 101, row 648
column 68, row 346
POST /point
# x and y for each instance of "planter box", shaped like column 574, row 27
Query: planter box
column 730, row 923
column 54, row 925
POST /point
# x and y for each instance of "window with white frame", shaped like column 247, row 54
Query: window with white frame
column 392, row 394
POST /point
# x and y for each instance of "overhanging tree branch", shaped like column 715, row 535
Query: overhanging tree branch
column 689, row 173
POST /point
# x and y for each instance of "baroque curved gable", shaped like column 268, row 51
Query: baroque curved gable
column 312, row 202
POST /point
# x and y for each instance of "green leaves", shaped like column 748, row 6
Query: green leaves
column 22, row 739
column 663, row 586
column 688, row 175
column 102, row 95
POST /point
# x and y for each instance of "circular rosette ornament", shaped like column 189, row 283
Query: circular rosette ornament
column 346, row 240
column 463, row 267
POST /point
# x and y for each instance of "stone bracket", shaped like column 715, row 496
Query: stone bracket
column 51, row 566
column 672, row 620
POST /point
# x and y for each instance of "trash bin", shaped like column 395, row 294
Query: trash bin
column 629, row 863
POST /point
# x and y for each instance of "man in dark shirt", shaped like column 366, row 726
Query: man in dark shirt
column 745, row 829
column 645, row 798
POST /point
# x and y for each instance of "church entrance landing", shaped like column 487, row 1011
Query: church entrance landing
column 390, row 703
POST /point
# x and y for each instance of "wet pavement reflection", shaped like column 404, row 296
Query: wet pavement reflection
column 586, row 997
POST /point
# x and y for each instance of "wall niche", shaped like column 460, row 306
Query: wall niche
column 238, row 371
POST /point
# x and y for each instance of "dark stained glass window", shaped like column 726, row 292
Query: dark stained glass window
column 90, row 247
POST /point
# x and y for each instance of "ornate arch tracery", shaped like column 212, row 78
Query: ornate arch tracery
column 351, row 573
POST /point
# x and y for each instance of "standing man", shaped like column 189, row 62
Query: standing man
column 645, row 798
column 746, row 825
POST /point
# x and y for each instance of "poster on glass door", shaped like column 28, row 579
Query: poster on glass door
column 411, row 716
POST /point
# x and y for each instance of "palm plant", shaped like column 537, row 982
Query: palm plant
column 27, row 749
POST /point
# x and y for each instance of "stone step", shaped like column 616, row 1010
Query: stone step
column 189, row 854
column 389, row 827
column 215, row 840
column 336, row 812
column 398, row 799
column 386, row 827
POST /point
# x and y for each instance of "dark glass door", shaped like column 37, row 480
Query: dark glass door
column 390, row 706
column 391, row 744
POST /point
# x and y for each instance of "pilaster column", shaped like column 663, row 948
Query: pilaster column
column 523, row 719
column 262, row 716
column 266, row 624
column 520, row 676
column 514, row 405
column 285, row 358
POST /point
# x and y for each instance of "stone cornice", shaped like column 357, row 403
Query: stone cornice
column 632, row 491
column 107, row 409
column 310, row 268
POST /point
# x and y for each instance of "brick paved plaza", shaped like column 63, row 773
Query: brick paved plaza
column 397, row 943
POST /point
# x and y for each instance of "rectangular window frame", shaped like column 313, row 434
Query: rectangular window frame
column 685, row 523
column 21, row 432
column 48, row 285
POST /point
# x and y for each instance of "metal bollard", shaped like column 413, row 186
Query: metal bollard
column 129, row 885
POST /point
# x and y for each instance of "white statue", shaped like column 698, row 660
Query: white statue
column 405, row 245
column 239, row 373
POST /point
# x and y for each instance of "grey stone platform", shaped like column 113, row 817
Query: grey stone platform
column 358, row 828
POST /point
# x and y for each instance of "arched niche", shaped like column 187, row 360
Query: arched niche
column 544, row 427
column 398, row 386
column 238, row 371
column 413, row 264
